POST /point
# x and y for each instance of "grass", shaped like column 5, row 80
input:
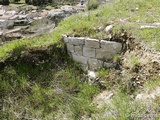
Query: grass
column 44, row 91
column 123, row 106
column 111, row 13
column 55, row 89
column 20, row 3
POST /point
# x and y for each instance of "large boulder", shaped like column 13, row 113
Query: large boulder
column 56, row 15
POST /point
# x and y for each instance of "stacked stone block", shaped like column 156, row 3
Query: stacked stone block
column 92, row 54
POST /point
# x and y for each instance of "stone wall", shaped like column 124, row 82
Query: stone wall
column 92, row 54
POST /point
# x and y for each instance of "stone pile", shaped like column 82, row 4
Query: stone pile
column 92, row 54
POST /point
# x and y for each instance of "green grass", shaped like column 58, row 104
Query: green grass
column 123, row 106
column 53, row 89
column 80, row 25
column 20, row 3
column 44, row 91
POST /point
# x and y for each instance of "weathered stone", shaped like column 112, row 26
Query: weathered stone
column 84, row 67
column 81, row 40
column 92, row 43
column 91, row 74
column 65, row 38
column 148, row 26
column 56, row 15
column 92, row 54
column 78, row 50
column 109, row 65
column 145, row 97
column 103, row 54
column 70, row 48
column 76, row 40
column 88, row 52
column 95, row 64
column 108, row 28
column 80, row 59
column 110, row 46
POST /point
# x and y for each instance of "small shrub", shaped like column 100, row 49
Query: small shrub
column 93, row 4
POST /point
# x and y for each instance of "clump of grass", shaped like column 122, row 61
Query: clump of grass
column 40, row 91
column 92, row 4
column 134, row 61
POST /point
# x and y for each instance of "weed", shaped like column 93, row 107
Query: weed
column 40, row 93
column 92, row 4
column 134, row 61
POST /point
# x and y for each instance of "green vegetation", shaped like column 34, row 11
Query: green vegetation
column 92, row 4
column 55, row 89
column 121, row 108
column 4, row 2
column 45, row 91
column 79, row 24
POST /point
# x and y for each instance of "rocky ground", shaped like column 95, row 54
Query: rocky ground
column 29, row 21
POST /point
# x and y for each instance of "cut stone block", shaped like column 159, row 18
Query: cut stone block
column 109, row 65
column 95, row 64
column 70, row 48
column 104, row 54
column 112, row 47
column 92, row 43
column 84, row 67
column 80, row 59
column 88, row 52
column 65, row 38
column 78, row 50
column 76, row 40
column 81, row 40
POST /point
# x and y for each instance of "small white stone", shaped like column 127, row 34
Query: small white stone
column 92, row 74
column 139, row 97
column 147, row 26
column 152, row 96
column 108, row 28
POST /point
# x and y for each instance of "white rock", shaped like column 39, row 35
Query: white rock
column 139, row 97
column 147, row 26
column 91, row 74
column 158, row 24
column 152, row 96
column 65, row 38
column 108, row 28
column 137, row 8
column 145, row 97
